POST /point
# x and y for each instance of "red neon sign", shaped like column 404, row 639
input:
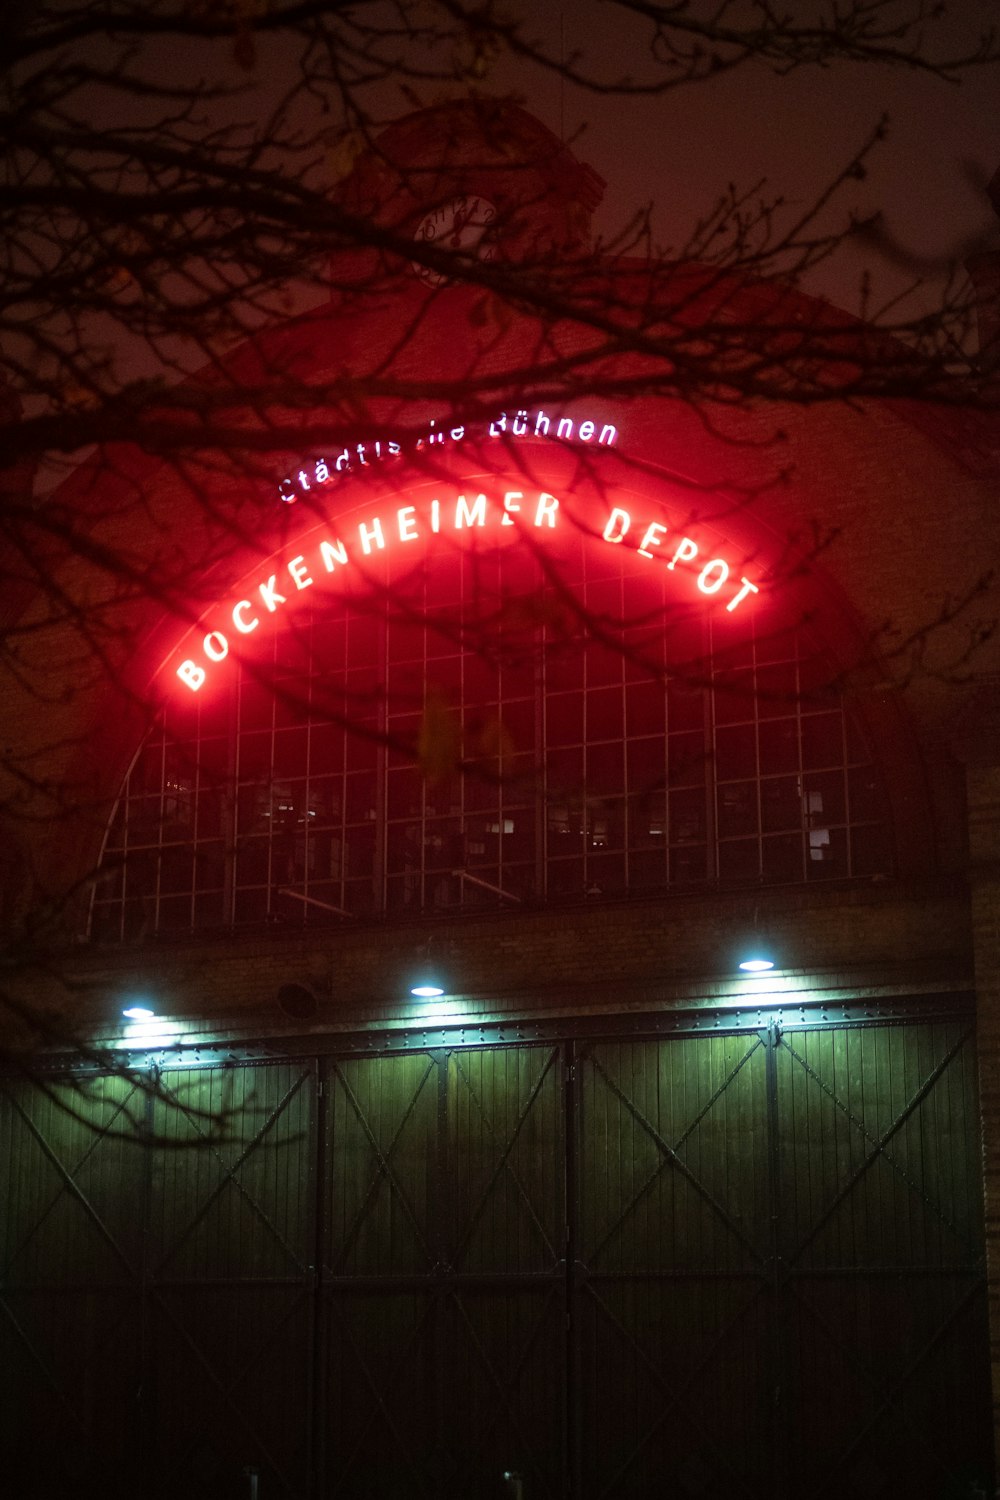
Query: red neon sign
column 536, row 511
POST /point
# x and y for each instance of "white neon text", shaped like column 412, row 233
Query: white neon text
column 710, row 576
column 651, row 539
column 269, row 594
column 244, row 626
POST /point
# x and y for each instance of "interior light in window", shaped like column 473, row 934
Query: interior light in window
column 819, row 843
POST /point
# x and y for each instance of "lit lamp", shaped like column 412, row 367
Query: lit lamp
column 426, row 990
column 426, row 983
column 756, row 964
column 138, row 1013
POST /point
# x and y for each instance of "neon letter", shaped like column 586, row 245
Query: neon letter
column 371, row 534
column 470, row 516
column 586, row 431
column 564, row 423
column 608, row 434
column 192, row 675
column 547, row 507
column 510, row 504
column 685, row 552
column 300, row 576
column 748, row 588
column 435, row 515
column 651, row 539
column 244, row 626
column 270, row 595
column 332, row 553
column 406, row 520
column 707, row 585
column 619, row 522
column 216, row 646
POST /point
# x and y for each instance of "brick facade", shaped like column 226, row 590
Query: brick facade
column 887, row 536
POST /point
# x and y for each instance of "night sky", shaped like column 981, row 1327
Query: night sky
column 928, row 178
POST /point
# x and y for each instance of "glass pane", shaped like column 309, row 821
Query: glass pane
column 736, row 751
column 646, row 761
column 780, row 803
column 564, row 719
column 685, row 705
column 647, row 869
column 566, row 877
column 822, row 741
column 688, row 864
column 734, row 697
column 645, row 704
column 648, row 820
column 605, row 769
column 737, row 808
column 605, row 714
column 253, row 862
column 823, row 799
column 176, row 870
column 688, row 817
column 781, row 857
column 778, row 740
column 777, row 690
column 688, row 759
column 605, row 874
column 739, row 860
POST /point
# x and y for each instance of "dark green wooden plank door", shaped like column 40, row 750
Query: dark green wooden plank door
column 781, row 1285
column 673, row 1251
column 72, row 1199
column 444, row 1278
column 881, row 1269
column 707, row 1265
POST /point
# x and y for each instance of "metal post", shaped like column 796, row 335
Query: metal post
column 253, row 1475
column 513, row 1484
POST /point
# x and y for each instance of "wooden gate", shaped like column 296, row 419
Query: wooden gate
column 779, row 1268
column 699, row 1262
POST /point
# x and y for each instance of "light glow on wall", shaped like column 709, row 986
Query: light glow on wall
column 149, row 1034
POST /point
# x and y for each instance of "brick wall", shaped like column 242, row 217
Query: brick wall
column 901, row 939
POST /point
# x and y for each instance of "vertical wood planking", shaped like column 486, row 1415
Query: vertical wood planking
column 399, row 1289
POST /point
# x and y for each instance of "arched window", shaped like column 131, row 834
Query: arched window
column 490, row 730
